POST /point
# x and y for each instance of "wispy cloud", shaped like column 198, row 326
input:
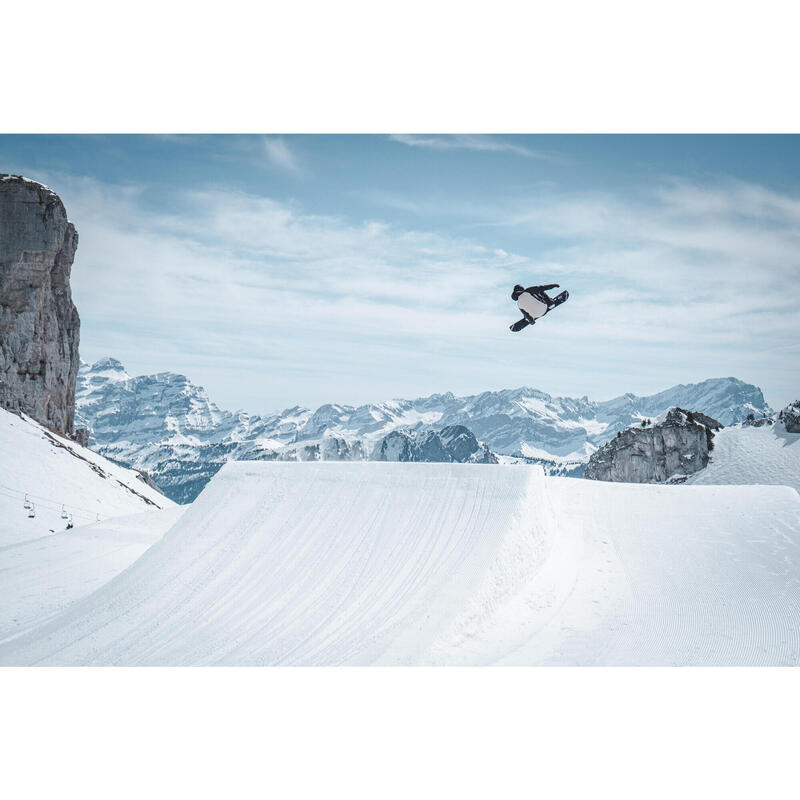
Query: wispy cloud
column 246, row 279
column 260, row 298
column 280, row 155
column 478, row 142
column 707, row 270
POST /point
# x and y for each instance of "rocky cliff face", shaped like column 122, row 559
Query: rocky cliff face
column 39, row 324
column 655, row 453
column 454, row 443
column 790, row 417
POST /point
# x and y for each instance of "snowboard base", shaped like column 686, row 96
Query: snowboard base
column 518, row 326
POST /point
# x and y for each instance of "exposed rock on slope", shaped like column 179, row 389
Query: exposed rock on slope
column 790, row 417
column 760, row 422
column 669, row 450
column 39, row 324
column 454, row 443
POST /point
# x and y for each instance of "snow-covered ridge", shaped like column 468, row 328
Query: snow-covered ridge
column 168, row 426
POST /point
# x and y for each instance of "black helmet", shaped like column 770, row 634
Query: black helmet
column 518, row 290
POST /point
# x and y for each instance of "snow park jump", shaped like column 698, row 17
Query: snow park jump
column 326, row 563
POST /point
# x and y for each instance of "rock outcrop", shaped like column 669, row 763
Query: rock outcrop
column 790, row 417
column 453, row 443
column 757, row 422
column 668, row 451
column 39, row 324
column 703, row 419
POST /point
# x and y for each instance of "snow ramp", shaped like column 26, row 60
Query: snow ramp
column 317, row 563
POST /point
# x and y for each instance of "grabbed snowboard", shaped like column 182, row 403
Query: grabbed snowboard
column 534, row 302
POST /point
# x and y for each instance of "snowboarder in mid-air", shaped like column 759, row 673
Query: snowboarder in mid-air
column 534, row 302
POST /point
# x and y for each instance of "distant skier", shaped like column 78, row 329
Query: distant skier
column 534, row 302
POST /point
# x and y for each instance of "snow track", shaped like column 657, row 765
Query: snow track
column 391, row 563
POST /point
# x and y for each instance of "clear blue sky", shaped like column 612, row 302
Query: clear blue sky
column 310, row 269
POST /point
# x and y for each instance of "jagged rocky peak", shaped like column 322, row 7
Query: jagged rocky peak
column 694, row 416
column 454, row 443
column 148, row 408
column 100, row 373
column 108, row 364
column 39, row 324
column 667, row 450
column 325, row 416
column 790, row 417
column 461, row 443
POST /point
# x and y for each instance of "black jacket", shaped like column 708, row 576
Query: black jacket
column 536, row 291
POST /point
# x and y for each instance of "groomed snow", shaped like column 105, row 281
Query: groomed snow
column 308, row 563
column 674, row 575
column 42, row 577
column 746, row 455
column 392, row 563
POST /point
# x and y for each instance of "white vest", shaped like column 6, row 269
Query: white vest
column 531, row 306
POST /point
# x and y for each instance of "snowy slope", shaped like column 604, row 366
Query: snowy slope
column 391, row 563
column 55, row 471
column 675, row 575
column 744, row 454
column 42, row 577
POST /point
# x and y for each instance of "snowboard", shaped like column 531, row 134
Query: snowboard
column 559, row 299
column 518, row 326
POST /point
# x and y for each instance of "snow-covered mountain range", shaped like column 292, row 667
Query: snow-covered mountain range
column 168, row 426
